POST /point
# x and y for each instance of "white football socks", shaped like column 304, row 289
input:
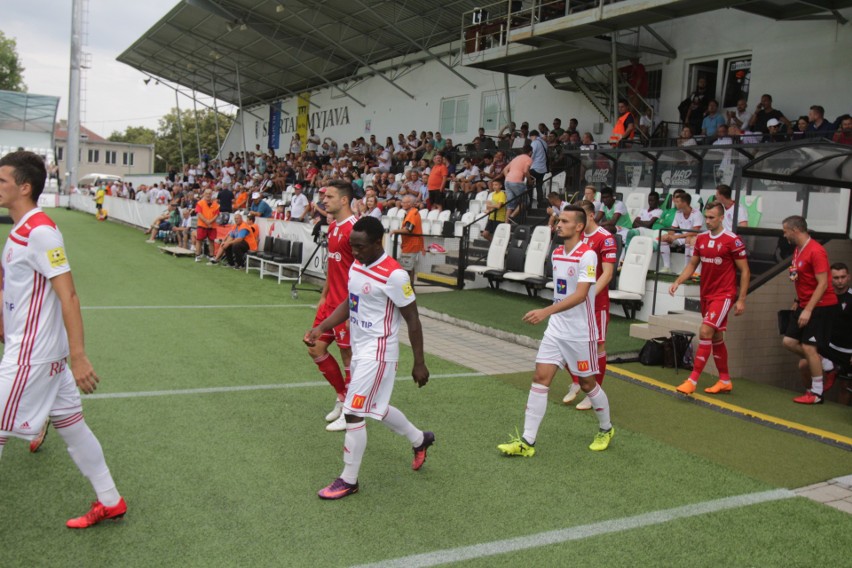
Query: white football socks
column 354, row 444
column 396, row 421
column 87, row 453
column 534, row 414
column 600, row 404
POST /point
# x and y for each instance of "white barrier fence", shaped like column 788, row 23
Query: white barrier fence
column 142, row 215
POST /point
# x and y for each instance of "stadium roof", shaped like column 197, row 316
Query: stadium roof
column 26, row 112
column 285, row 47
column 817, row 163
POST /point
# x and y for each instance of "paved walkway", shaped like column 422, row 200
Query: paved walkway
column 494, row 352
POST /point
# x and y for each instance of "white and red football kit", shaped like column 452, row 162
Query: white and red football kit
column 570, row 339
column 718, row 275
column 376, row 292
column 339, row 261
column 34, row 379
column 603, row 243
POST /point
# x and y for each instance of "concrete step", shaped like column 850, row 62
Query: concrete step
column 451, row 271
column 438, row 279
column 676, row 320
column 642, row 331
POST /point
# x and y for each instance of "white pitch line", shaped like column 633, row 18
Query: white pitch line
column 234, row 306
column 581, row 532
column 209, row 390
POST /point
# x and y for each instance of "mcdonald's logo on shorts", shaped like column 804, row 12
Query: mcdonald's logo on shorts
column 583, row 366
column 358, row 401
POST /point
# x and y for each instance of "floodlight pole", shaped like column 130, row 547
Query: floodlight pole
column 72, row 160
column 180, row 132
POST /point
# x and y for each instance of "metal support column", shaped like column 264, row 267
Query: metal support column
column 180, row 132
column 614, row 63
column 197, row 134
column 216, row 121
column 508, row 99
column 242, row 119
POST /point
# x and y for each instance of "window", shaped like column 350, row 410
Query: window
column 454, row 115
column 94, row 156
column 128, row 159
column 737, row 80
column 494, row 115
column 60, row 151
column 110, row 157
column 655, row 84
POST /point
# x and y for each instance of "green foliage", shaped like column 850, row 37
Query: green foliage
column 166, row 139
column 11, row 71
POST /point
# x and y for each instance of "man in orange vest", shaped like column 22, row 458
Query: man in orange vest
column 625, row 126
column 239, row 241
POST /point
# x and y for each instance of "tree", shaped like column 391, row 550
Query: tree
column 166, row 139
column 11, row 71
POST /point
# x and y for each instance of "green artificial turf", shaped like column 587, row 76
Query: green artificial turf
column 504, row 310
column 230, row 478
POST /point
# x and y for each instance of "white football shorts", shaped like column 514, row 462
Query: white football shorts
column 31, row 393
column 370, row 388
column 578, row 357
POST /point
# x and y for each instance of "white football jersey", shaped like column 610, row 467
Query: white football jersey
column 570, row 268
column 32, row 314
column 728, row 219
column 376, row 292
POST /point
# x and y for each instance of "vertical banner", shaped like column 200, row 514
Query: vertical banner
column 302, row 117
column 274, row 126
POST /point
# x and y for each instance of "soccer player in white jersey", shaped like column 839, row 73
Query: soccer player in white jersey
column 379, row 293
column 570, row 339
column 724, row 195
column 44, row 361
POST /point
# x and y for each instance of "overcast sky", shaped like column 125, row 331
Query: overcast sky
column 115, row 94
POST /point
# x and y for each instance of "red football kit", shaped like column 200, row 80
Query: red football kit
column 603, row 243
column 718, row 275
column 339, row 261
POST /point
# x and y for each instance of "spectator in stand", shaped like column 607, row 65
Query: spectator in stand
column 279, row 214
column 739, row 116
column 467, row 179
column 206, row 211
column 775, row 133
column 165, row 222
column 225, row 197
column 241, row 198
column 516, row 176
column 494, row 208
column 588, row 142
column 800, row 128
column 557, row 129
column 765, row 114
column 815, row 309
column 625, row 126
column 412, row 237
column 722, row 138
column 646, row 122
column 692, row 109
column 687, row 217
column 712, row 119
column 724, row 196
column 260, row 207
column 818, row 126
column 539, row 164
column 844, row 133
column 436, row 182
column 743, row 136
column 370, row 207
column 299, row 205
column 184, row 231
column 686, row 137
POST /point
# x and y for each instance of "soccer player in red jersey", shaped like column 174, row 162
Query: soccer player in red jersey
column 603, row 243
column 721, row 253
column 44, row 360
column 337, row 196
column 816, row 305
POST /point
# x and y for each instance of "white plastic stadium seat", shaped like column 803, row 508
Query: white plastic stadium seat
column 433, row 215
column 557, row 184
column 631, row 280
column 395, row 223
column 392, row 212
column 400, row 213
column 466, row 219
column 476, row 207
column 496, row 259
column 386, row 222
column 635, row 202
column 536, row 256
column 444, row 215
